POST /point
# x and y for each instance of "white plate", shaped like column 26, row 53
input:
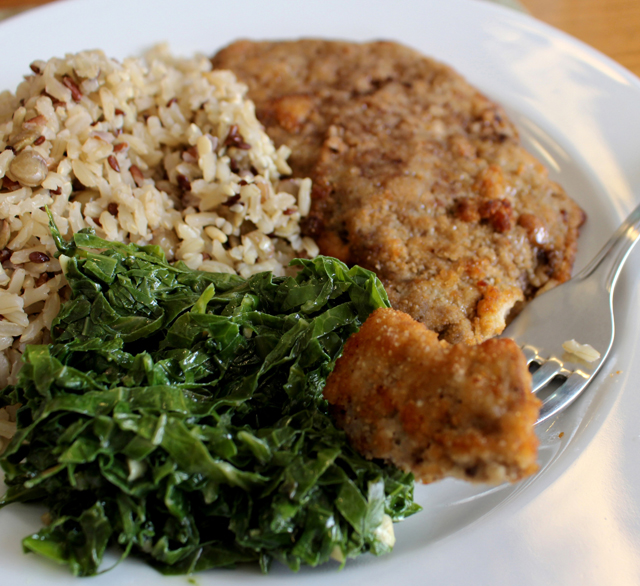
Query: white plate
column 576, row 522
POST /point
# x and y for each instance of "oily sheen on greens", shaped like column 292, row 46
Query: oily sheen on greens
column 179, row 415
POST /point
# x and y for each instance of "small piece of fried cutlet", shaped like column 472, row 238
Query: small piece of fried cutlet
column 433, row 408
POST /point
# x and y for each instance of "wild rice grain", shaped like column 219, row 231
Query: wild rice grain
column 137, row 175
column 39, row 257
column 41, row 280
column 234, row 139
column 76, row 94
column 184, row 183
column 35, row 123
column 113, row 163
column 234, row 199
column 9, row 184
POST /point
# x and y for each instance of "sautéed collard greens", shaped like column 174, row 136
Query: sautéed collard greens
column 179, row 414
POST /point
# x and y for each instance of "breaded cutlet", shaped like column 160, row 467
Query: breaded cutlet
column 417, row 176
column 433, row 408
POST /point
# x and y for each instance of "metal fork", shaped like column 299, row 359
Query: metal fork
column 580, row 309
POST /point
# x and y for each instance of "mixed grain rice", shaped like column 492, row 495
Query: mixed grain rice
column 159, row 150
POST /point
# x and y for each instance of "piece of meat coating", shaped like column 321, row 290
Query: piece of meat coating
column 432, row 408
column 417, row 176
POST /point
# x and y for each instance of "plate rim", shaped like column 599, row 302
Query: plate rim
column 504, row 12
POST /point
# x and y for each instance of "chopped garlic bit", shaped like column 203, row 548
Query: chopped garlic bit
column 337, row 554
column 584, row 351
column 385, row 533
column 136, row 469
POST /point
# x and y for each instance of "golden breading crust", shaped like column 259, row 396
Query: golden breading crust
column 417, row 176
column 433, row 408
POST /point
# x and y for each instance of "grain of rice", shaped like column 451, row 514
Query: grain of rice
column 585, row 352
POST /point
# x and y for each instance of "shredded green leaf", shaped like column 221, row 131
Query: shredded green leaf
column 179, row 415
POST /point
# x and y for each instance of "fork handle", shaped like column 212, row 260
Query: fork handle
column 609, row 261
